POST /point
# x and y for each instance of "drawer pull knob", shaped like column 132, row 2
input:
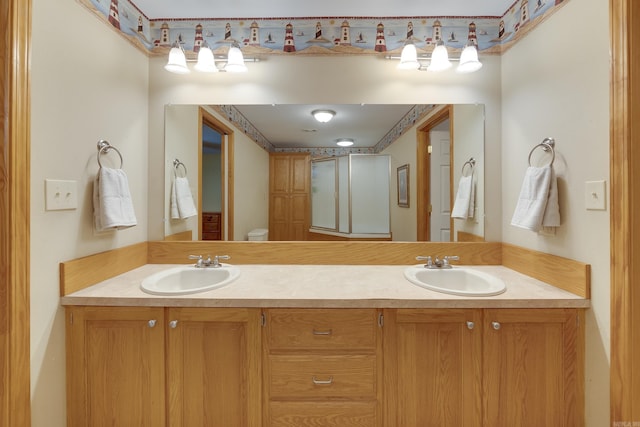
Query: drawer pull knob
column 322, row 382
column 325, row 332
column 496, row 325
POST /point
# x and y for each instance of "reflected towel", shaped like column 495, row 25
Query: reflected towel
column 112, row 204
column 182, row 205
column 538, row 201
column 464, row 204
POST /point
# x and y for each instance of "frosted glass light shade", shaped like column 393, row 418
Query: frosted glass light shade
column 235, row 61
column 323, row 116
column 344, row 142
column 177, row 62
column 206, row 63
column 469, row 60
column 439, row 59
column 409, row 58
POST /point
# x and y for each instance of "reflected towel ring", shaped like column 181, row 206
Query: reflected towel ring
column 104, row 147
column 176, row 164
column 547, row 146
column 471, row 163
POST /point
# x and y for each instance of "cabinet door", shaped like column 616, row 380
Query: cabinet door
column 433, row 367
column 213, row 369
column 533, row 368
column 115, row 366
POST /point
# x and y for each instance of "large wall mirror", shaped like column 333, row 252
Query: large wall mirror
column 224, row 154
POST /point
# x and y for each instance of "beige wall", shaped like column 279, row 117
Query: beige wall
column 83, row 90
column 555, row 82
column 107, row 89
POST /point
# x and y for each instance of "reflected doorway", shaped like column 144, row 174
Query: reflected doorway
column 438, row 127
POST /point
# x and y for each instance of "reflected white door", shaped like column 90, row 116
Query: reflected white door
column 440, row 193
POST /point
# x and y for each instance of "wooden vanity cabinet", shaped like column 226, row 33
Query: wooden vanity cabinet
column 433, row 367
column 118, row 359
column 115, row 366
column 491, row 367
column 533, row 367
column 322, row 367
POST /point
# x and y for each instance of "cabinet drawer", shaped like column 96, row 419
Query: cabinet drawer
column 314, row 376
column 325, row 414
column 210, row 218
column 322, row 329
column 210, row 227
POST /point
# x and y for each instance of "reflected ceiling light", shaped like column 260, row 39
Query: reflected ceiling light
column 323, row 116
column 469, row 60
column 345, row 142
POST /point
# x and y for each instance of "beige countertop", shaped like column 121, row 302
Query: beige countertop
column 325, row 286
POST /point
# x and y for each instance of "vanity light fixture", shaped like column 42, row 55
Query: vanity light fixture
column 234, row 62
column 344, row 142
column 323, row 116
column 439, row 59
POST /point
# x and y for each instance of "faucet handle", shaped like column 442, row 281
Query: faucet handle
column 446, row 259
column 217, row 258
column 425, row 258
column 198, row 258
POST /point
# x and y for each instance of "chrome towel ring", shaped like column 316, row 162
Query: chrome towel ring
column 547, row 145
column 104, row 147
column 176, row 164
column 471, row 163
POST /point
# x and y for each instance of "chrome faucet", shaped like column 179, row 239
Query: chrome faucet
column 208, row 262
column 438, row 263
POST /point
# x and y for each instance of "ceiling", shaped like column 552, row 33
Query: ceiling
column 173, row 9
column 293, row 126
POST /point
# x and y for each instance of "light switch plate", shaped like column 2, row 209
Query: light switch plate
column 594, row 195
column 60, row 194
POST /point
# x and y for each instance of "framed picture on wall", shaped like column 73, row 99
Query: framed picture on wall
column 403, row 186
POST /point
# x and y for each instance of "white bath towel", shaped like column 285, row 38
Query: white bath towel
column 464, row 204
column 182, row 205
column 538, row 201
column 112, row 204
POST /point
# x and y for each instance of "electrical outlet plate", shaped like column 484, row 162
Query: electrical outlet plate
column 60, row 194
column 594, row 195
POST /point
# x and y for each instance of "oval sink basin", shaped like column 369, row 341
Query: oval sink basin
column 456, row 280
column 189, row 280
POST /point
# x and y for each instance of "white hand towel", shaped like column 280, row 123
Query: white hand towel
column 112, row 204
column 182, row 205
column 538, row 201
column 464, row 204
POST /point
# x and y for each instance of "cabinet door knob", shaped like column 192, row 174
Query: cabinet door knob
column 173, row 324
column 495, row 325
column 152, row 323
column 322, row 382
column 470, row 325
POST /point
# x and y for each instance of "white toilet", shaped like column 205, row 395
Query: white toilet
column 258, row 234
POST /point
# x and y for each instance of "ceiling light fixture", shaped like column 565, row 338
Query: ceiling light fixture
column 344, row 142
column 439, row 59
column 234, row 61
column 323, row 116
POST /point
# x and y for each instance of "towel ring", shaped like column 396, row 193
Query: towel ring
column 547, row 145
column 104, row 147
column 176, row 164
column 471, row 163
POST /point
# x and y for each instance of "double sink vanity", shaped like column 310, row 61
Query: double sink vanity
column 324, row 345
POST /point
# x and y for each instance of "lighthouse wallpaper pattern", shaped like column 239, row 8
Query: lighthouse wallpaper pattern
column 324, row 35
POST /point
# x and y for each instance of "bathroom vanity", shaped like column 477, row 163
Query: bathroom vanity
column 317, row 345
